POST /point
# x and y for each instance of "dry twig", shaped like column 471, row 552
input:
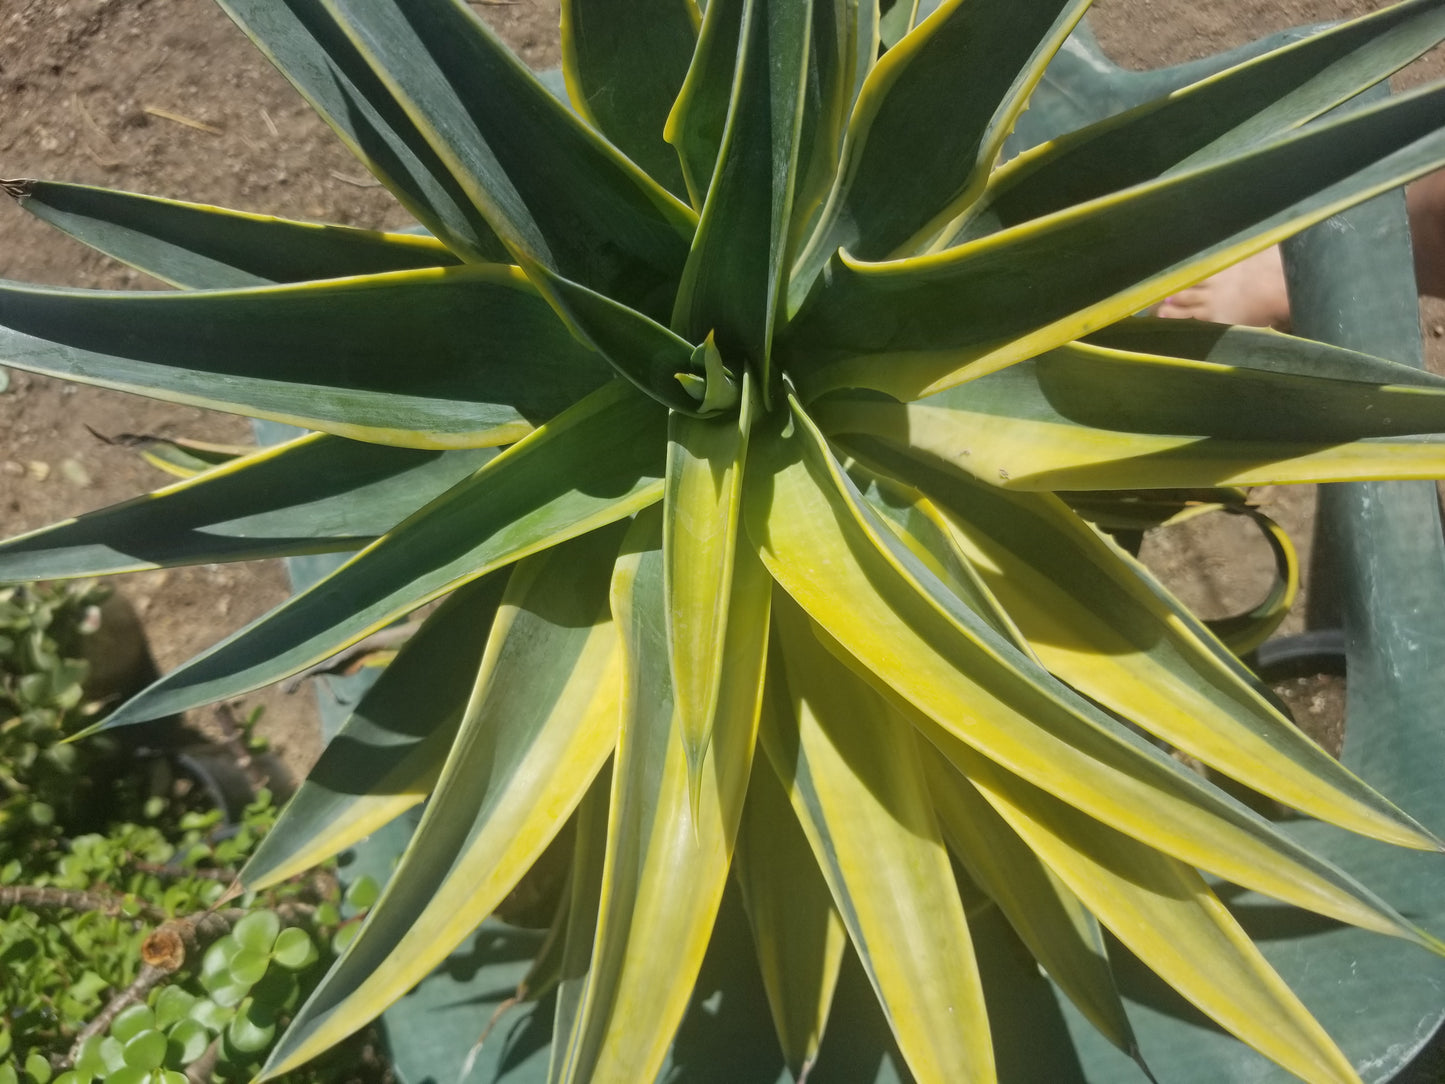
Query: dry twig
column 99, row 133
column 199, row 1071
column 178, row 118
column 163, row 953
column 355, row 181
column 45, row 898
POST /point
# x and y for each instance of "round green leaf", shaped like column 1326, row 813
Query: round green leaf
column 170, row 1076
column 112, row 1056
column 248, row 966
column 172, row 1004
column 257, row 931
column 38, row 1068
column 210, row 1015
column 146, row 1051
column 344, row 937
column 362, row 893
column 294, row 949
column 8, row 1075
column 187, row 1041
column 132, row 1021
column 229, row 995
column 247, row 1036
column 89, row 1062
column 72, row 1076
column 128, row 1075
column 216, row 964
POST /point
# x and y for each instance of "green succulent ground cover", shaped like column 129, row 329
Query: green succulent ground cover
column 93, row 860
column 740, row 411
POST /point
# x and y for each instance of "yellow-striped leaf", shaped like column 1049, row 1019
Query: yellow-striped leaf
column 892, row 189
column 1253, row 101
column 314, row 494
column 701, row 512
column 388, row 754
column 624, row 63
column 199, row 247
column 1165, row 913
column 797, row 931
column 597, row 463
column 736, row 270
column 1048, row 917
column 857, row 787
column 438, row 358
column 1097, row 619
column 912, row 327
column 666, row 867
column 540, row 723
column 1092, row 417
column 584, row 896
column 911, row 637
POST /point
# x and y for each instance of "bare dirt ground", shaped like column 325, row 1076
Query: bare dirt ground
column 167, row 97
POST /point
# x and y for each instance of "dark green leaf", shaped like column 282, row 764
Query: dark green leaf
column 625, row 61
column 735, row 272
column 930, row 121
column 1209, row 121
column 555, row 193
column 840, row 47
column 636, row 346
column 432, row 359
column 304, row 42
column 912, row 327
column 314, row 494
column 695, row 125
column 200, row 247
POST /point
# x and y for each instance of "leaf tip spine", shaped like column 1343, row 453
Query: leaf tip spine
column 1137, row 1056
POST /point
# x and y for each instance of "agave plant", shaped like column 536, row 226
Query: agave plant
column 751, row 410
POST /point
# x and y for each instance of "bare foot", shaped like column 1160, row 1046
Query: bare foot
column 1426, row 202
column 1251, row 292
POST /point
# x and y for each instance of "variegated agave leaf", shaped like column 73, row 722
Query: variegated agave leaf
column 730, row 409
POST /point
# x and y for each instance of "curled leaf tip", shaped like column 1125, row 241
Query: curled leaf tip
column 17, row 188
column 720, row 387
column 693, row 384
